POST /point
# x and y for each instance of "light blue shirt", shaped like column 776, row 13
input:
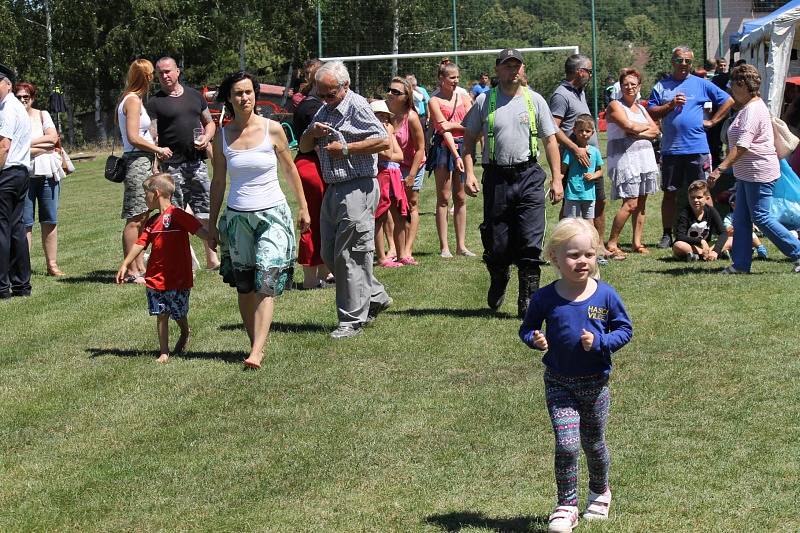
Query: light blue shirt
column 577, row 187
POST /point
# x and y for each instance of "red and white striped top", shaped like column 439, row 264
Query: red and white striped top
column 752, row 129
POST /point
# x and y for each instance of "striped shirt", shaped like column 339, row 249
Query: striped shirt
column 752, row 129
column 354, row 121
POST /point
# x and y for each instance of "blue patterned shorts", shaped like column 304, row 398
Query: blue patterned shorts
column 175, row 302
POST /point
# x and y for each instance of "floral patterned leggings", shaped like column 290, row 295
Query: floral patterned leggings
column 578, row 407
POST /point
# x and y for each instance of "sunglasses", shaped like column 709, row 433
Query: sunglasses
column 330, row 95
column 588, row 70
column 394, row 92
column 23, row 97
column 682, row 60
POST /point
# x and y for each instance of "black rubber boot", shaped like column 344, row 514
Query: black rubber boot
column 497, row 288
column 528, row 284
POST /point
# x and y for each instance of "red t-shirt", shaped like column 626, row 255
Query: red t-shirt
column 170, row 264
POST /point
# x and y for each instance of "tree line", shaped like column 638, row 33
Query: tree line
column 92, row 43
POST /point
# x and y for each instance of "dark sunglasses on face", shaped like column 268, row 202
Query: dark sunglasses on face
column 588, row 70
column 394, row 92
column 682, row 60
column 23, row 97
column 330, row 95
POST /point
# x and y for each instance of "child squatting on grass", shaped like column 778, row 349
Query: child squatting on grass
column 696, row 225
column 586, row 323
column 169, row 270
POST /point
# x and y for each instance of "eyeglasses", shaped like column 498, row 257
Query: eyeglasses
column 330, row 96
column 682, row 60
column 588, row 70
column 23, row 97
column 394, row 92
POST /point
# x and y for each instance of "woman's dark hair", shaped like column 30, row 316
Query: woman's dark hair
column 748, row 77
column 225, row 88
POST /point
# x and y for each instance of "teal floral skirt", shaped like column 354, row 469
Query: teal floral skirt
column 257, row 249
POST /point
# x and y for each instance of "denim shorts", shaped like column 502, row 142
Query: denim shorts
column 174, row 302
column 418, row 179
column 45, row 191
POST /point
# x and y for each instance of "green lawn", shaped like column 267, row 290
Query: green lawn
column 433, row 420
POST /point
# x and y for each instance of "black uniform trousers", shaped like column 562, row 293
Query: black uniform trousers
column 513, row 215
column 15, row 261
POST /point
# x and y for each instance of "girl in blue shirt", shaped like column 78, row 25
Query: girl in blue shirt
column 586, row 322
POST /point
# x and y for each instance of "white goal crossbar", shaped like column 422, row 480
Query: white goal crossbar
column 378, row 57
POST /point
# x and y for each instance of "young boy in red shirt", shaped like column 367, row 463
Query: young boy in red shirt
column 169, row 270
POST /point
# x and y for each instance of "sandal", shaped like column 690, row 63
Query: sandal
column 388, row 263
column 597, row 506
column 408, row 261
column 54, row 271
column 616, row 254
column 641, row 250
column 563, row 519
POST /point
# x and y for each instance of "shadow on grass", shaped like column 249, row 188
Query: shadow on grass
column 460, row 313
column 282, row 327
column 228, row 356
column 457, row 521
column 95, row 276
column 684, row 270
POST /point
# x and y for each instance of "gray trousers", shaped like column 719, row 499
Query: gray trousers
column 347, row 234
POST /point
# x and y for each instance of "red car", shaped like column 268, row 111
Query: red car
column 268, row 103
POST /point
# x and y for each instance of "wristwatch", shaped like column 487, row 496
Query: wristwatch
column 345, row 151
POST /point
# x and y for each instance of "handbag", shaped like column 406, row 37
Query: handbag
column 115, row 166
column 785, row 140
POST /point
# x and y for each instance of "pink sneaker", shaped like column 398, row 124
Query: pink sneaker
column 597, row 506
column 563, row 519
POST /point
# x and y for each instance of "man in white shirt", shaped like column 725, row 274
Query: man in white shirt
column 15, row 165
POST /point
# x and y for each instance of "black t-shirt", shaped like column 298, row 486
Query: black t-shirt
column 177, row 116
column 304, row 114
column 688, row 228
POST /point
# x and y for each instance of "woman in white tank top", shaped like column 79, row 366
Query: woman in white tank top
column 138, row 152
column 255, row 232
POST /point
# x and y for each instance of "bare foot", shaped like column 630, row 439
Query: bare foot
column 253, row 363
column 163, row 358
column 183, row 341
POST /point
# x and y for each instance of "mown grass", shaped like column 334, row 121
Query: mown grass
column 434, row 420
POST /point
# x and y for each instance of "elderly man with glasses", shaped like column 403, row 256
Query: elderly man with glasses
column 566, row 104
column 678, row 101
column 15, row 165
column 349, row 137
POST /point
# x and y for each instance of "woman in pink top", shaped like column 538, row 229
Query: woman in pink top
column 751, row 154
column 411, row 138
column 447, row 109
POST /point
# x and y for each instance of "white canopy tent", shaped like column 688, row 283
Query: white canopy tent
column 769, row 49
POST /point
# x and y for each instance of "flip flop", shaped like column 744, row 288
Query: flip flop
column 641, row 250
column 616, row 254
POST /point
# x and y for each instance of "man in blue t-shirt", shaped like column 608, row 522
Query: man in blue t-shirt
column 678, row 101
column 484, row 85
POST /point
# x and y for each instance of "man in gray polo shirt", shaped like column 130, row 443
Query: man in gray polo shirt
column 514, row 183
column 567, row 102
column 15, row 166
column 348, row 136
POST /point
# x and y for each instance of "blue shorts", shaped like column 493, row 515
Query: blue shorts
column 418, row 179
column 174, row 302
column 45, row 191
column 681, row 170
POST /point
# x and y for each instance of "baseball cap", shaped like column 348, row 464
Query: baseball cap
column 508, row 53
column 6, row 72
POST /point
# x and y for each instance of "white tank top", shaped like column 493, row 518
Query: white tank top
column 144, row 125
column 253, row 175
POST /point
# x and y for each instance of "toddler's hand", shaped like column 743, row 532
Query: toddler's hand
column 539, row 340
column 588, row 176
column 587, row 339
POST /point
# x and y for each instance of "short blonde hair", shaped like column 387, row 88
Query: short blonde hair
column 565, row 230
column 161, row 183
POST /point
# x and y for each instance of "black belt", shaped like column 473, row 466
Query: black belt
column 518, row 167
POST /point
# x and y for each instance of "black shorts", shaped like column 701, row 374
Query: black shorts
column 680, row 170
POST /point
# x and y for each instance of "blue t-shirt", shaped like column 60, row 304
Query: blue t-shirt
column 478, row 90
column 577, row 187
column 682, row 128
column 602, row 314
column 421, row 106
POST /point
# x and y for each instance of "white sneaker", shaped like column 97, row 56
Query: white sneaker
column 597, row 506
column 796, row 268
column 563, row 519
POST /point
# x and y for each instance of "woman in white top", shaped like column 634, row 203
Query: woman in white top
column 138, row 153
column 44, row 188
column 631, row 161
column 255, row 232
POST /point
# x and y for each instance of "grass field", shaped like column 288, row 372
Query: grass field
column 433, row 420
